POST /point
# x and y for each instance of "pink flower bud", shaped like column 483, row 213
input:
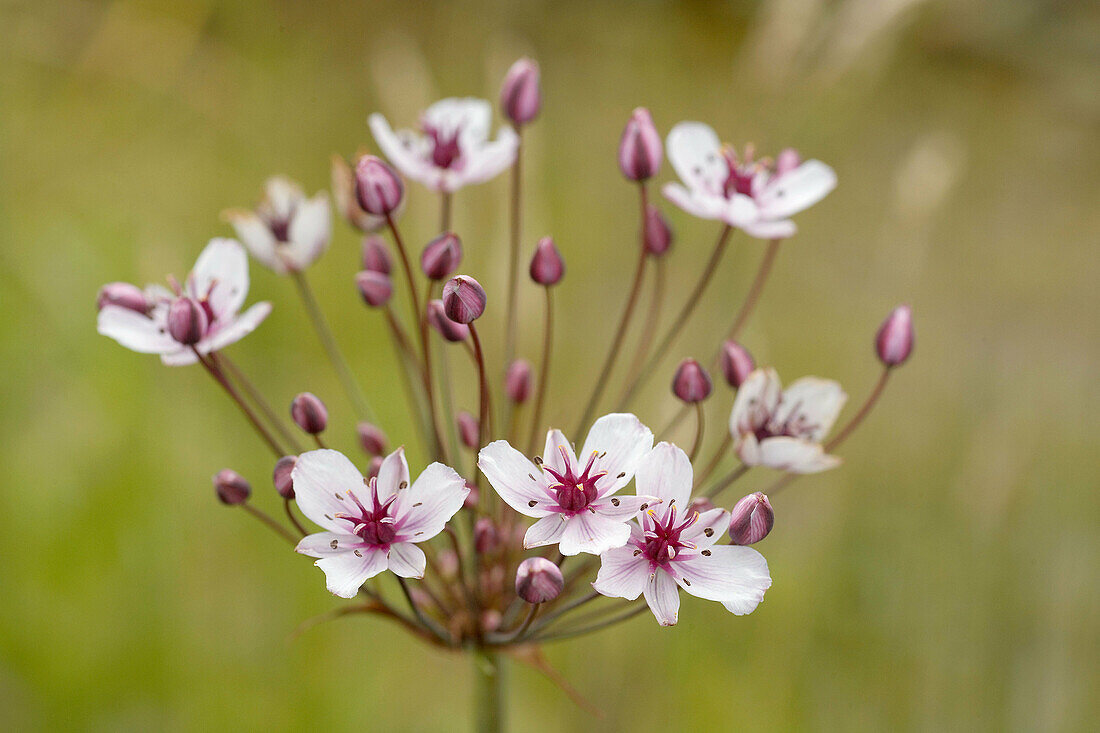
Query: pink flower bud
column 520, row 96
column 374, row 467
column 447, row 328
column 691, row 383
column 787, row 161
column 737, row 363
column 751, row 519
column 547, row 266
column 376, row 255
column 463, row 299
column 894, row 342
column 375, row 287
column 473, row 497
column 658, row 234
column 371, row 438
column 486, row 537
column 441, row 257
column 447, row 561
column 123, row 295
column 284, row 484
column 468, row 430
column 377, row 187
column 640, row 147
column 187, row 321
column 491, row 619
column 538, row 580
column 231, row 487
column 517, row 381
column 309, row 413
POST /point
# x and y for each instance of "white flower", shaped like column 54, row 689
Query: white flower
column 745, row 194
column 781, row 428
column 453, row 148
column 287, row 232
column 372, row 525
column 219, row 282
column 574, row 502
column 675, row 546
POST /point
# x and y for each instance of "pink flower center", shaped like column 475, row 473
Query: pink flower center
column 574, row 493
column 662, row 536
column 445, row 149
column 740, row 175
column 797, row 425
column 376, row 525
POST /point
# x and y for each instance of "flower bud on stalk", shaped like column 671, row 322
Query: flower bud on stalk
column 123, row 295
column 640, row 148
column 692, row 383
column 538, row 580
column 751, row 519
column 520, row 95
column 231, row 487
column 894, row 341
column 737, row 363
column 486, row 537
column 375, row 287
column 442, row 256
column 447, row 328
column 376, row 256
column 309, row 413
column 371, row 438
column 658, row 234
column 187, row 321
column 468, row 430
column 463, row 299
column 377, row 186
column 547, row 266
column 284, row 484
column 517, row 381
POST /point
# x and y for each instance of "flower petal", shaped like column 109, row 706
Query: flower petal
column 135, row 331
column 399, row 152
column 592, row 533
column 795, row 455
column 488, row 160
column 346, row 572
column 256, row 236
column 221, row 274
column 768, row 229
column 321, row 479
column 310, row 231
column 812, row 401
column 551, row 453
column 469, row 116
column 393, row 472
column 515, row 479
column 663, row 597
column 546, row 531
column 797, row 190
column 696, row 202
column 696, row 154
column 323, row 544
column 621, row 440
column 236, row 329
column 716, row 520
column 407, row 560
column 665, row 472
column 622, row 507
column 734, row 575
column 623, row 574
column 423, row 509
column 756, row 400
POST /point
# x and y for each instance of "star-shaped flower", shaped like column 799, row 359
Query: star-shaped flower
column 287, row 232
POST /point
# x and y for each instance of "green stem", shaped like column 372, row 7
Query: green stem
column 328, row 342
column 544, row 373
column 488, row 691
column 221, row 379
column 257, row 398
column 513, row 259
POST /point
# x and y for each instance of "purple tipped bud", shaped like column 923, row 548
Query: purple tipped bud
column 538, row 580
column 374, row 467
column 187, row 321
column 447, row 328
column 691, row 383
column 371, row 438
column 658, row 234
column 751, row 519
column 376, row 255
column 894, row 342
column 123, row 295
column 231, row 487
column 737, row 363
column 787, row 161
column 486, row 537
column 701, row 504
column 377, row 187
column 281, row 476
column 520, row 96
column 517, row 381
column 309, row 413
column 375, row 287
column 640, row 147
column 463, row 299
column 547, row 266
column 441, row 257
column 468, row 430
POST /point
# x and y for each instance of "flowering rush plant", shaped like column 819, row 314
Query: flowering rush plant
column 513, row 536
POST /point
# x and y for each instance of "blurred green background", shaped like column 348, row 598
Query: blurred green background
column 946, row 577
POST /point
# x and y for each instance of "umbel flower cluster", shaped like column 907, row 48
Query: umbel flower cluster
column 515, row 536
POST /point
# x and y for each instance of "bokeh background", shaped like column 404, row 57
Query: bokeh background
column 946, row 577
